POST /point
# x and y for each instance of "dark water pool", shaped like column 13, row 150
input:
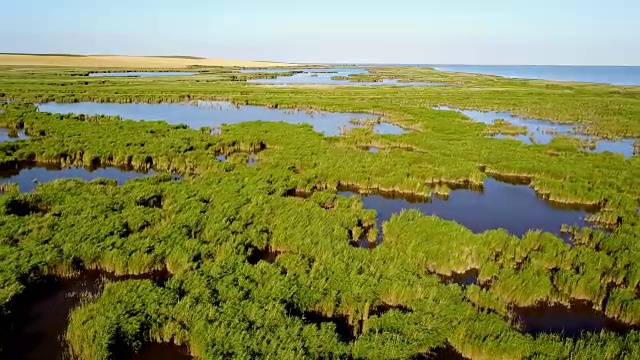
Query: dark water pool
column 542, row 132
column 571, row 320
column 215, row 113
column 469, row 277
column 161, row 351
column 28, row 177
column 515, row 208
column 43, row 312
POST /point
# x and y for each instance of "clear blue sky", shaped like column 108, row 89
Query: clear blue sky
column 373, row 31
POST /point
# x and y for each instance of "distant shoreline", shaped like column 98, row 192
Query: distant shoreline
column 123, row 61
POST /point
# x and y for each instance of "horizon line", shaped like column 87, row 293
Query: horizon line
column 345, row 63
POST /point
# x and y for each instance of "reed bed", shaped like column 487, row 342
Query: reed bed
column 320, row 297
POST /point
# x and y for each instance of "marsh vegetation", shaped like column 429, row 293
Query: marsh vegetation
column 216, row 113
column 531, row 131
column 261, row 258
column 329, row 76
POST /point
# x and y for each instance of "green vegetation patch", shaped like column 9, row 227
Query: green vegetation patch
column 259, row 274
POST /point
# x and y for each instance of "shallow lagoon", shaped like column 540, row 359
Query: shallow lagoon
column 515, row 208
column 45, row 313
column 325, row 77
column 29, row 177
column 544, row 131
column 215, row 113
column 571, row 320
column 616, row 75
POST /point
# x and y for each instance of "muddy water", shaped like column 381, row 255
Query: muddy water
column 5, row 135
column 161, row 351
column 28, row 177
column 326, row 77
column 43, row 319
column 542, row 132
column 515, row 208
column 571, row 320
column 215, row 113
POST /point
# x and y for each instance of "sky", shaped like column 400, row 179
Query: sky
column 544, row 32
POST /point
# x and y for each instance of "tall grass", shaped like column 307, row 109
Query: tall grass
column 320, row 297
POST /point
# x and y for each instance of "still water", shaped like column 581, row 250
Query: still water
column 515, row 208
column 325, row 76
column 6, row 136
column 215, row 113
column 29, row 177
column 43, row 314
column 571, row 320
column 542, row 132
column 615, row 75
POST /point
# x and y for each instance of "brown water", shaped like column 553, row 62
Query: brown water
column 161, row 351
column 43, row 312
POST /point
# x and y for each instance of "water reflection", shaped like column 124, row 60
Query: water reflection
column 9, row 135
column 28, row 177
column 617, row 75
column 571, row 320
column 215, row 113
column 515, row 208
column 42, row 314
column 469, row 277
column 329, row 76
column 542, row 132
